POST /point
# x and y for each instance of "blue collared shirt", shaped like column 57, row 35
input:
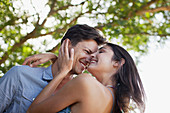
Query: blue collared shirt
column 20, row 86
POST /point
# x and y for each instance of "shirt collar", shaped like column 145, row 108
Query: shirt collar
column 47, row 74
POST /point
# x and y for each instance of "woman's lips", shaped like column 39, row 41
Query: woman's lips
column 93, row 60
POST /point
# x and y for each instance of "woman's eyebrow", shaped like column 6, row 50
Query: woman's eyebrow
column 102, row 48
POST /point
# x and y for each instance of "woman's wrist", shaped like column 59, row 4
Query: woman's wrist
column 61, row 74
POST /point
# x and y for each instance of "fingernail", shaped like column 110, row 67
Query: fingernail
column 72, row 49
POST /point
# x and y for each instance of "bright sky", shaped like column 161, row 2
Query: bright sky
column 155, row 73
column 154, row 70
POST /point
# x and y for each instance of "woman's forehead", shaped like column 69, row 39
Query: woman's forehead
column 104, row 46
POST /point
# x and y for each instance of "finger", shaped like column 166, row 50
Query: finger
column 25, row 61
column 60, row 53
column 72, row 54
column 62, row 47
column 70, row 66
column 29, row 64
column 53, row 60
column 28, row 60
column 66, row 49
column 36, row 63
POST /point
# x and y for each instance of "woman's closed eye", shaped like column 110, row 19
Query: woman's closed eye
column 101, row 51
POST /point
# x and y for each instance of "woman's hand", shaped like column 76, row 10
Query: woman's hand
column 35, row 60
column 65, row 58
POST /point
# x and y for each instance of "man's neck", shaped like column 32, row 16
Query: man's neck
column 55, row 70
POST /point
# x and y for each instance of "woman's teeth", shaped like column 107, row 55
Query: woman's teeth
column 93, row 61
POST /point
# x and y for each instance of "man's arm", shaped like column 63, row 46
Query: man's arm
column 8, row 86
column 38, row 59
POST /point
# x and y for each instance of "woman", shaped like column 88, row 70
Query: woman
column 117, row 82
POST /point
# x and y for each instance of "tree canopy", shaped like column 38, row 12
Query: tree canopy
column 29, row 27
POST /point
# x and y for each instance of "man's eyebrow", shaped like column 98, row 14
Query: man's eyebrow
column 88, row 49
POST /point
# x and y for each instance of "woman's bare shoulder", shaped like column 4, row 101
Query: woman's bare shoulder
column 85, row 79
column 87, row 83
column 80, row 87
column 84, row 76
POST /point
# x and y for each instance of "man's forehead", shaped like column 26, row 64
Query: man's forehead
column 92, row 49
column 89, row 43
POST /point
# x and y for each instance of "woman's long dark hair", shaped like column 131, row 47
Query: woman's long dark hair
column 128, row 83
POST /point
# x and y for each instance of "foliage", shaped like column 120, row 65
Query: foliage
column 28, row 27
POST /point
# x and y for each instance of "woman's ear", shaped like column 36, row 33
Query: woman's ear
column 122, row 61
column 115, row 63
column 118, row 63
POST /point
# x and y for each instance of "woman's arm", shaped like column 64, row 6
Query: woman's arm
column 73, row 92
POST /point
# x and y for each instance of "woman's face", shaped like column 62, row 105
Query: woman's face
column 101, row 62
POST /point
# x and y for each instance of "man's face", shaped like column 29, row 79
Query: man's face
column 82, row 53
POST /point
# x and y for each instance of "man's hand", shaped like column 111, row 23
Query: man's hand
column 35, row 60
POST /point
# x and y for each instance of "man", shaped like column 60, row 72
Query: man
column 21, row 84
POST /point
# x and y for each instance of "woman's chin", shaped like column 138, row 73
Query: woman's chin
column 91, row 68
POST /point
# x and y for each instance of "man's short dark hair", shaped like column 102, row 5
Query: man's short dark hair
column 78, row 33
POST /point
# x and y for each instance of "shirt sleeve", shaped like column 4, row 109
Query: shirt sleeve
column 8, row 87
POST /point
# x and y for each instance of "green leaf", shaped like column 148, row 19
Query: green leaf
column 147, row 14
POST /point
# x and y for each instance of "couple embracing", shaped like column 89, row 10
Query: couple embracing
column 112, row 83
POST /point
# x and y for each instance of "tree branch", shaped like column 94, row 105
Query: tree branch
column 9, row 22
column 147, row 19
column 153, row 10
column 64, row 7
column 131, row 14
column 144, row 33
column 50, row 33
column 111, row 24
column 17, row 44
column 149, row 4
